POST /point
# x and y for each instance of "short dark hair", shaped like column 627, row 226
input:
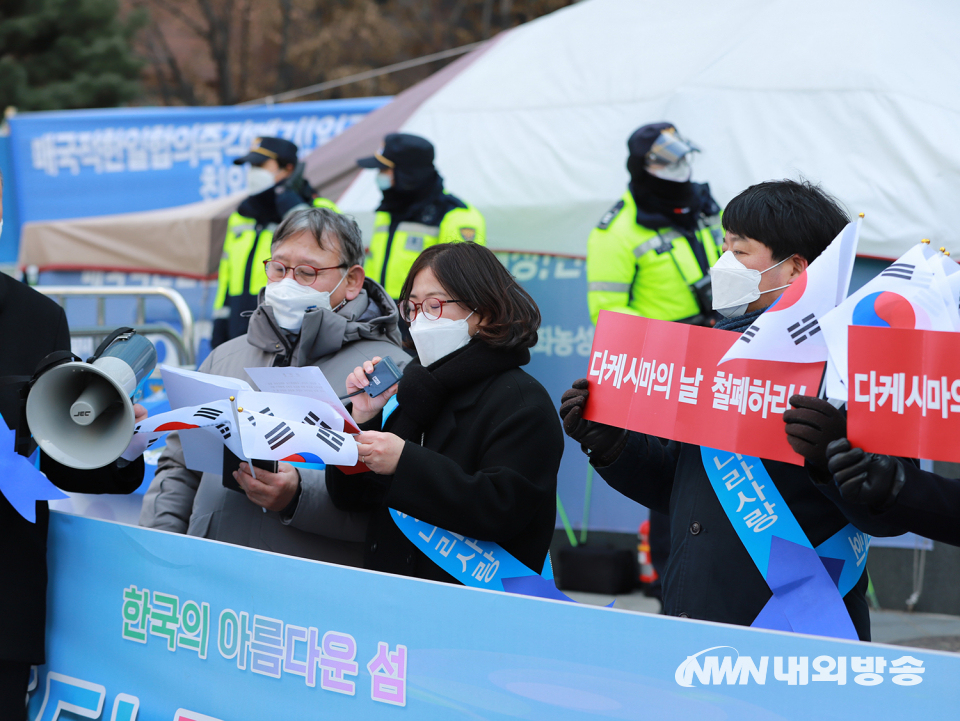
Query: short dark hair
column 472, row 274
column 788, row 216
column 317, row 222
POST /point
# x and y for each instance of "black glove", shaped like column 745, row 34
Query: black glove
column 601, row 442
column 812, row 424
column 865, row 478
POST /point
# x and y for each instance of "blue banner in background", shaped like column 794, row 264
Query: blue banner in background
column 81, row 163
column 10, row 237
column 156, row 626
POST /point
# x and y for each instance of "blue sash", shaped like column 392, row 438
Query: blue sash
column 479, row 564
column 808, row 584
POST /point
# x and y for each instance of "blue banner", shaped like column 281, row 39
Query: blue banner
column 10, row 235
column 155, row 626
column 81, row 163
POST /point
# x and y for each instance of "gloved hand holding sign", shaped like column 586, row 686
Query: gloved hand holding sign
column 601, row 442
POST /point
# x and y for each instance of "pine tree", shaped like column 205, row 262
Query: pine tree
column 59, row 54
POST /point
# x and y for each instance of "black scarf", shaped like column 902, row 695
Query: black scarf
column 664, row 203
column 272, row 204
column 739, row 323
column 423, row 392
column 423, row 203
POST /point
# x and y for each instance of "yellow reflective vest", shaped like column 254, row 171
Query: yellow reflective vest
column 390, row 257
column 645, row 271
column 241, row 275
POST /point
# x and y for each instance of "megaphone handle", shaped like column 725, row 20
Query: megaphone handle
column 105, row 343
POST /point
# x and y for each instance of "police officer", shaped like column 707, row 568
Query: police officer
column 276, row 185
column 651, row 252
column 415, row 213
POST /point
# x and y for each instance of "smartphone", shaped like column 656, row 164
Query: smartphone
column 385, row 375
column 232, row 463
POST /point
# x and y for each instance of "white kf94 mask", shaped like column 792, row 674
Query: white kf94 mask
column 435, row 339
column 735, row 286
column 290, row 301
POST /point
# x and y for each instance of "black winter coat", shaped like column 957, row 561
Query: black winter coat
column 710, row 575
column 32, row 326
column 487, row 470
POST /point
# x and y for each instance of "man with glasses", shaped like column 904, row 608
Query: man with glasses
column 317, row 308
column 276, row 187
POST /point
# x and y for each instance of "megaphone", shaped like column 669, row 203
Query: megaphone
column 81, row 414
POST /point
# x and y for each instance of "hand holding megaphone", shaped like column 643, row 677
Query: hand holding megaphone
column 81, row 414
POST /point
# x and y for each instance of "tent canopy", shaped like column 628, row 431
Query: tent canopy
column 185, row 240
column 532, row 128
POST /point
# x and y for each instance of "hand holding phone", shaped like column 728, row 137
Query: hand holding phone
column 370, row 386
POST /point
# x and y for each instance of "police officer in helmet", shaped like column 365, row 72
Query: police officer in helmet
column 416, row 211
column 651, row 252
column 276, row 187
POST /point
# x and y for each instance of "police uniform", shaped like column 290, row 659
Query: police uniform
column 394, row 246
column 651, row 253
column 416, row 211
column 648, row 271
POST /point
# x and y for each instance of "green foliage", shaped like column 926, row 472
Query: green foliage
column 58, row 54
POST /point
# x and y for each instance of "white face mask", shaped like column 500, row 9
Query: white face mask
column 290, row 301
column 678, row 172
column 735, row 286
column 259, row 179
column 435, row 339
column 383, row 181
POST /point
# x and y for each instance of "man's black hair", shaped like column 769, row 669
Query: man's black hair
column 787, row 216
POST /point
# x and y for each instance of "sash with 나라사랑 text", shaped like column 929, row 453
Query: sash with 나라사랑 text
column 808, row 584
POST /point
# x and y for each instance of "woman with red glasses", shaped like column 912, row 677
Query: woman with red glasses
column 474, row 445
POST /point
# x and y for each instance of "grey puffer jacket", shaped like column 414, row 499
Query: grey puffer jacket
column 184, row 501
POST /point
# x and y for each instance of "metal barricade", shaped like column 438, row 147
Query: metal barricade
column 182, row 341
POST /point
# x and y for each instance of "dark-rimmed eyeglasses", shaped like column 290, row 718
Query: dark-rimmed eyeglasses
column 303, row 274
column 432, row 308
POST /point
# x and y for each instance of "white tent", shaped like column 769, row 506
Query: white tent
column 859, row 95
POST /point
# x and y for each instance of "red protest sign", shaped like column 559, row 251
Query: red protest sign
column 662, row 378
column 904, row 392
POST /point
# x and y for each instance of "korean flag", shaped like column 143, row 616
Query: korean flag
column 790, row 330
column 914, row 292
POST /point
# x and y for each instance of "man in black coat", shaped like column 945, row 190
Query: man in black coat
column 32, row 327
column 710, row 575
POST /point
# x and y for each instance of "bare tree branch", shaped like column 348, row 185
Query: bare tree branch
column 486, row 19
column 178, row 13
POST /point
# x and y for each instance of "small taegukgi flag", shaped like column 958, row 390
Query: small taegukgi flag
column 790, row 330
column 915, row 292
column 275, row 438
column 270, row 426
